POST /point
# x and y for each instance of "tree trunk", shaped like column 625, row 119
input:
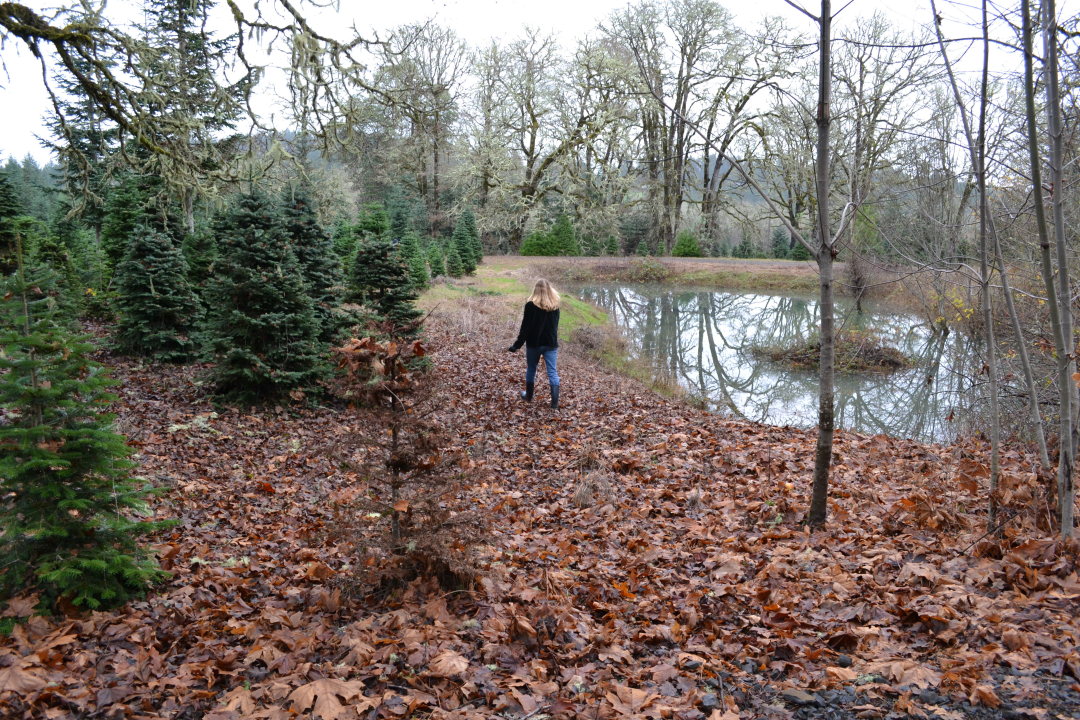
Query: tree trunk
column 1066, row 357
column 984, row 284
column 825, row 257
column 1062, row 345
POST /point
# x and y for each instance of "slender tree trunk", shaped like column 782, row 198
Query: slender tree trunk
column 1066, row 359
column 825, row 257
column 1062, row 343
column 984, row 283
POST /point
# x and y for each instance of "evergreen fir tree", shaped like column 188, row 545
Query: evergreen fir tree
column 262, row 330
column 373, row 222
column 454, row 266
column 318, row 262
column 158, row 308
column 462, row 242
column 200, row 251
column 415, row 259
column 184, row 62
column 67, row 525
column 344, row 239
column 125, row 209
column 380, row 280
column 564, row 237
column 611, row 247
column 799, row 252
column 780, row 243
column 10, row 208
column 686, row 245
column 468, row 220
column 436, row 260
column 51, row 253
column 400, row 211
column 539, row 243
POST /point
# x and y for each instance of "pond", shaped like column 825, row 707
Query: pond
column 703, row 339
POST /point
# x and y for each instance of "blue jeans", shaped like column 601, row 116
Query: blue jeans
column 532, row 357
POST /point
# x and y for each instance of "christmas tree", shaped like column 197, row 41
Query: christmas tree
column 125, row 209
column 415, row 259
column 454, row 266
column 435, row 260
column 10, row 208
column 70, row 513
column 462, row 242
column 262, row 330
column 318, row 262
column 380, row 280
column 158, row 307
column 468, row 220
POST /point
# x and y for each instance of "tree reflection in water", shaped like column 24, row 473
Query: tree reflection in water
column 703, row 339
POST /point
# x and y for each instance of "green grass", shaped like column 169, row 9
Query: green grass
column 576, row 314
column 512, row 293
column 747, row 280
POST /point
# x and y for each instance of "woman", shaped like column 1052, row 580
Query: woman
column 540, row 335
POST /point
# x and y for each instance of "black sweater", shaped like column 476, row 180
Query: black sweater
column 539, row 328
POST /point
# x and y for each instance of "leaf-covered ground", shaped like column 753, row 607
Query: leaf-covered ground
column 646, row 560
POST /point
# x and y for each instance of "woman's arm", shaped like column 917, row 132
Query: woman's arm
column 523, row 331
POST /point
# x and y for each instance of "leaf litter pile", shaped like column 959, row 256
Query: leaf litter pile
column 644, row 560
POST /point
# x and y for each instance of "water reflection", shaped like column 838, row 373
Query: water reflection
column 703, row 339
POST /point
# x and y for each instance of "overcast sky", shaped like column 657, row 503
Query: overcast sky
column 24, row 101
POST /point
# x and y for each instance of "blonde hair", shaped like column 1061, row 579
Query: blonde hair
column 544, row 296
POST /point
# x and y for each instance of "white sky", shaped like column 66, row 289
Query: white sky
column 24, row 103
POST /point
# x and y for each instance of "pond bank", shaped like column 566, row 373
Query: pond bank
column 502, row 282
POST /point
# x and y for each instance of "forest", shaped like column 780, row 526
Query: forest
column 259, row 456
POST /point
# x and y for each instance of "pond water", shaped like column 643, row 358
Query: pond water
column 703, row 339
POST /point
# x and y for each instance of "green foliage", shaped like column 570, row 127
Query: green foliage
column 373, row 222
column 34, row 186
column 70, row 508
column 318, row 262
column 539, row 243
column 436, row 260
column 262, row 330
column 781, row 242
column 563, row 236
column 51, row 253
column 125, row 209
column 454, row 266
column 799, row 252
column 200, row 251
column 466, row 244
column 158, row 309
column 745, row 249
column 415, row 259
column 686, row 245
column 344, row 241
column 380, row 280
column 468, row 222
column 611, row 246
column 10, row 208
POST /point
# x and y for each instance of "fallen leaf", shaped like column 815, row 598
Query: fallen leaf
column 447, row 664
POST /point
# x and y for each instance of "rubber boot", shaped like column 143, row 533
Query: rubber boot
column 527, row 393
column 554, row 397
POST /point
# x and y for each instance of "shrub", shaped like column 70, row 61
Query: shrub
column 539, row 243
column 686, row 245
